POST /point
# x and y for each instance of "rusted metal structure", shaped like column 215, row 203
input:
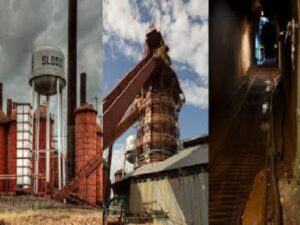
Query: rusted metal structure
column 99, row 171
column 155, row 102
column 12, row 150
column 153, row 91
column 120, row 98
column 87, row 185
column 17, row 160
column 86, row 149
column 83, row 173
column 115, row 106
column 158, row 106
column 3, row 143
column 42, row 187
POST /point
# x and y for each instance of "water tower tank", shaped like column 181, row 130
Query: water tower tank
column 130, row 153
column 48, row 65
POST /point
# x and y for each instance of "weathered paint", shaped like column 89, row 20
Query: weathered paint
column 183, row 199
column 48, row 65
column 86, row 149
column 42, row 154
column 12, row 149
column 3, row 149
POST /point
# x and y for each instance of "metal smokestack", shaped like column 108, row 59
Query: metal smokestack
column 8, row 107
column 72, row 85
column 82, row 88
column 1, row 97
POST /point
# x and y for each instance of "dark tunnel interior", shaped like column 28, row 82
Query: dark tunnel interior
column 233, row 29
column 249, row 49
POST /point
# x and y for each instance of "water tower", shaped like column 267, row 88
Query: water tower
column 131, row 148
column 47, row 79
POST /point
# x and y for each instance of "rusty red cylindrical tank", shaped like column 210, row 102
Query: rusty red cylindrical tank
column 42, row 148
column 86, row 143
column 99, row 185
column 12, row 150
column 3, row 149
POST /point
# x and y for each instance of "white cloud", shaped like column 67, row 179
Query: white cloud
column 184, row 26
column 195, row 94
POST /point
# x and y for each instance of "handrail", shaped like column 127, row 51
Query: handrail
column 278, row 214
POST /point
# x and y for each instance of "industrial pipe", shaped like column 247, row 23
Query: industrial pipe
column 37, row 143
column 58, row 135
column 82, row 88
column 107, row 189
column 63, row 145
column 8, row 107
column 1, row 97
column 72, row 85
column 47, row 139
column 32, row 121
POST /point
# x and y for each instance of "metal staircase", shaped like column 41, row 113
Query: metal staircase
column 84, row 172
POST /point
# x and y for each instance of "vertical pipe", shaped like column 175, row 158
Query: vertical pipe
column 63, row 143
column 1, row 97
column 32, row 124
column 107, row 177
column 47, row 139
column 37, row 143
column 82, row 88
column 8, row 107
column 72, row 85
column 58, row 135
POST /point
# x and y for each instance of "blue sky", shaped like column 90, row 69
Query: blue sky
column 184, row 26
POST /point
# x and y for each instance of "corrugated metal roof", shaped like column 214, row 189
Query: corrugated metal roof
column 191, row 156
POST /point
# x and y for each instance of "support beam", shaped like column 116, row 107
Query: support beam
column 120, row 98
column 58, row 135
column 37, row 143
column 107, row 176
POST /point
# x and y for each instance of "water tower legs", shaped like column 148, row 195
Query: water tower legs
column 47, row 139
column 59, row 134
column 37, row 143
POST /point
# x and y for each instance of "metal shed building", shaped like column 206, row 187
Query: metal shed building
column 174, row 191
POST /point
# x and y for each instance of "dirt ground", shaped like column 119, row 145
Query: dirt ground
column 27, row 210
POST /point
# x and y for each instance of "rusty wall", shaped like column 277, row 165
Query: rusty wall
column 12, row 150
column 86, row 143
column 3, row 149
